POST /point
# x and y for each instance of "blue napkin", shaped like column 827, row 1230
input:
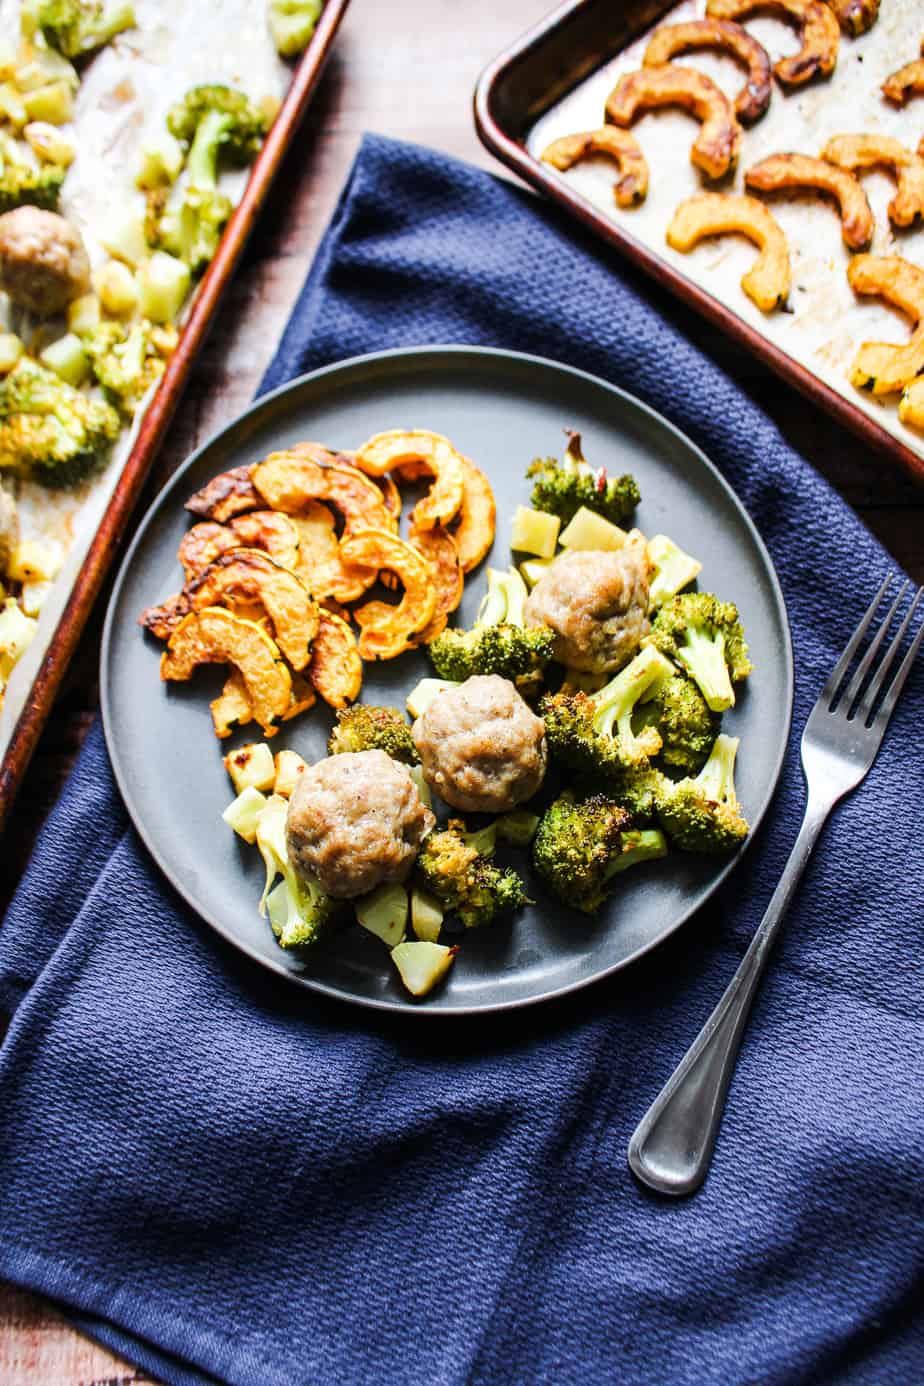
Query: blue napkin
column 227, row 1179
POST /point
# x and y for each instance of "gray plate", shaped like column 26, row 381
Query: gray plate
column 502, row 409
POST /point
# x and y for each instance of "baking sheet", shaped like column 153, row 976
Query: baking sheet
column 124, row 95
column 828, row 322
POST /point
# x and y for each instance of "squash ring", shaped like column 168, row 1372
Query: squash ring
column 214, row 636
column 855, row 16
column 289, row 480
column 782, row 172
column 335, row 670
column 439, row 549
column 397, row 447
column 320, row 565
column 387, row 631
column 631, row 187
column 226, row 495
column 232, row 708
column 819, row 33
column 259, row 529
column 672, row 39
column 474, row 533
column 881, row 366
column 860, row 152
column 908, row 81
column 767, row 282
column 716, row 147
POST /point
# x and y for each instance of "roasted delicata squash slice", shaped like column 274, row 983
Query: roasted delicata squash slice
column 474, row 532
column 908, row 81
column 855, row 16
column 798, row 172
column 671, row 40
column 768, row 280
column 226, row 495
column 303, row 697
column 398, row 447
column 202, row 544
column 716, row 147
column 880, row 366
column 439, row 548
column 336, row 669
column 214, row 636
column 861, row 152
column 259, row 529
column 631, row 187
column 817, row 25
column 911, row 406
column 386, row 631
column 289, row 480
column 390, row 494
column 232, row 708
column 320, row 564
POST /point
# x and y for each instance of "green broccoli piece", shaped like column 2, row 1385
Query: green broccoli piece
column 238, row 136
column 23, row 181
column 48, row 430
column 593, row 732
column 291, row 24
column 638, row 845
column 189, row 226
column 499, row 642
column 576, row 845
column 451, row 867
column 363, row 728
column 681, row 716
column 125, row 361
column 77, row 28
column 705, row 636
column 561, row 488
column 703, row 814
column 299, row 911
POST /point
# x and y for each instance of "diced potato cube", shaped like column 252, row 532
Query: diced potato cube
column 251, row 765
column 38, row 65
column 16, row 634
column 54, row 103
column 67, row 358
column 420, row 698
column 35, row 560
column 534, row 531
column 33, row 595
column 84, row 314
column 674, row 569
column 12, row 107
column 421, row 964
column 588, row 530
column 384, row 912
column 11, row 348
column 243, row 813
column 535, row 568
column 117, row 289
column 289, row 765
column 426, row 915
column 161, row 161
column 49, row 144
column 163, row 283
column 125, row 240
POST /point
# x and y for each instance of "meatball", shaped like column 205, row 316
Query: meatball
column 355, row 821
column 596, row 604
column 482, row 749
column 43, row 260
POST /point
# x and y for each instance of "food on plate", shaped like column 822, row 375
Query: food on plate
column 673, row 569
column 320, row 563
column 78, row 28
column 288, row 766
column 463, row 879
column 782, row 172
column 584, row 842
column 397, row 448
column 596, row 605
column 385, row 630
column 562, row 488
column 422, row 963
column 300, row 911
column 702, row 813
column 439, row 549
column 861, row 152
column 288, row 480
column 336, row 667
column 263, row 529
column 292, row 23
column 908, row 81
column 672, row 39
column 226, row 495
column 43, row 261
column 367, row 728
column 355, row 820
column 704, row 636
column 474, row 529
column 715, row 150
column 855, row 16
column 251, row 766
column 482, row 748
column 232, row 708
column 215, row 636
column 882, row 367
column 499, row 642
column 817, row 25
column 911, row 405
column 631, row 187
column 50, row 431
column 768, row 280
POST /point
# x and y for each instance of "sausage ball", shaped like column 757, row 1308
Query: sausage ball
column 43, row 260
column 482, row 749
column 355, row 821
column 596, row 604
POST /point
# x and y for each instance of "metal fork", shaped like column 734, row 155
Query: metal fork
column 673, row 1143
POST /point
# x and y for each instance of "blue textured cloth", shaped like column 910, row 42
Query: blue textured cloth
column 227, row 1179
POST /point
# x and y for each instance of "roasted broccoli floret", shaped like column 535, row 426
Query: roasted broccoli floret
column 703, row 814
column 638, row 845
column 680, row 715
column 79, row 27
column 705, row 636
column 300, row 912
column 561, row 488
column 23, row 181
column 291, row 24
column 577, row 846
column 241, row 132
column 362, row 728
column 465, row 881
column 188, row 226
column 48, row 430
column 127, row 361
column 593, row 733
column 499, row 642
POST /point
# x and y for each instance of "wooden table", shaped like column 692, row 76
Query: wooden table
column 412, row 78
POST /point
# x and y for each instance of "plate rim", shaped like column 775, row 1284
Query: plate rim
column 265, row 403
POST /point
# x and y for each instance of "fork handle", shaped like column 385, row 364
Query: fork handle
column 673, row 1143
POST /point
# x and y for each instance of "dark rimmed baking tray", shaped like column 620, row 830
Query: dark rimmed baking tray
column 530, row 77
column 160, row 410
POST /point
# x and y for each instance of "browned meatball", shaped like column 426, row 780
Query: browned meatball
column 43, row 261
column 597, row 605
column 355, row 821
column 482, row 749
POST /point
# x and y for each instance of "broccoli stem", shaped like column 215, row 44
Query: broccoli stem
column 504, row 599
column 202, row 163
column 704, row 658
column 638, row 845
column 717, row 777
column 616, row 700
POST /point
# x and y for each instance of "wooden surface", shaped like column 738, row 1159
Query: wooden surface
column 415, row 84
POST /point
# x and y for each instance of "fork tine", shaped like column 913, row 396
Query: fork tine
column 855, row 687
column 843, row 664
column 895, row 688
